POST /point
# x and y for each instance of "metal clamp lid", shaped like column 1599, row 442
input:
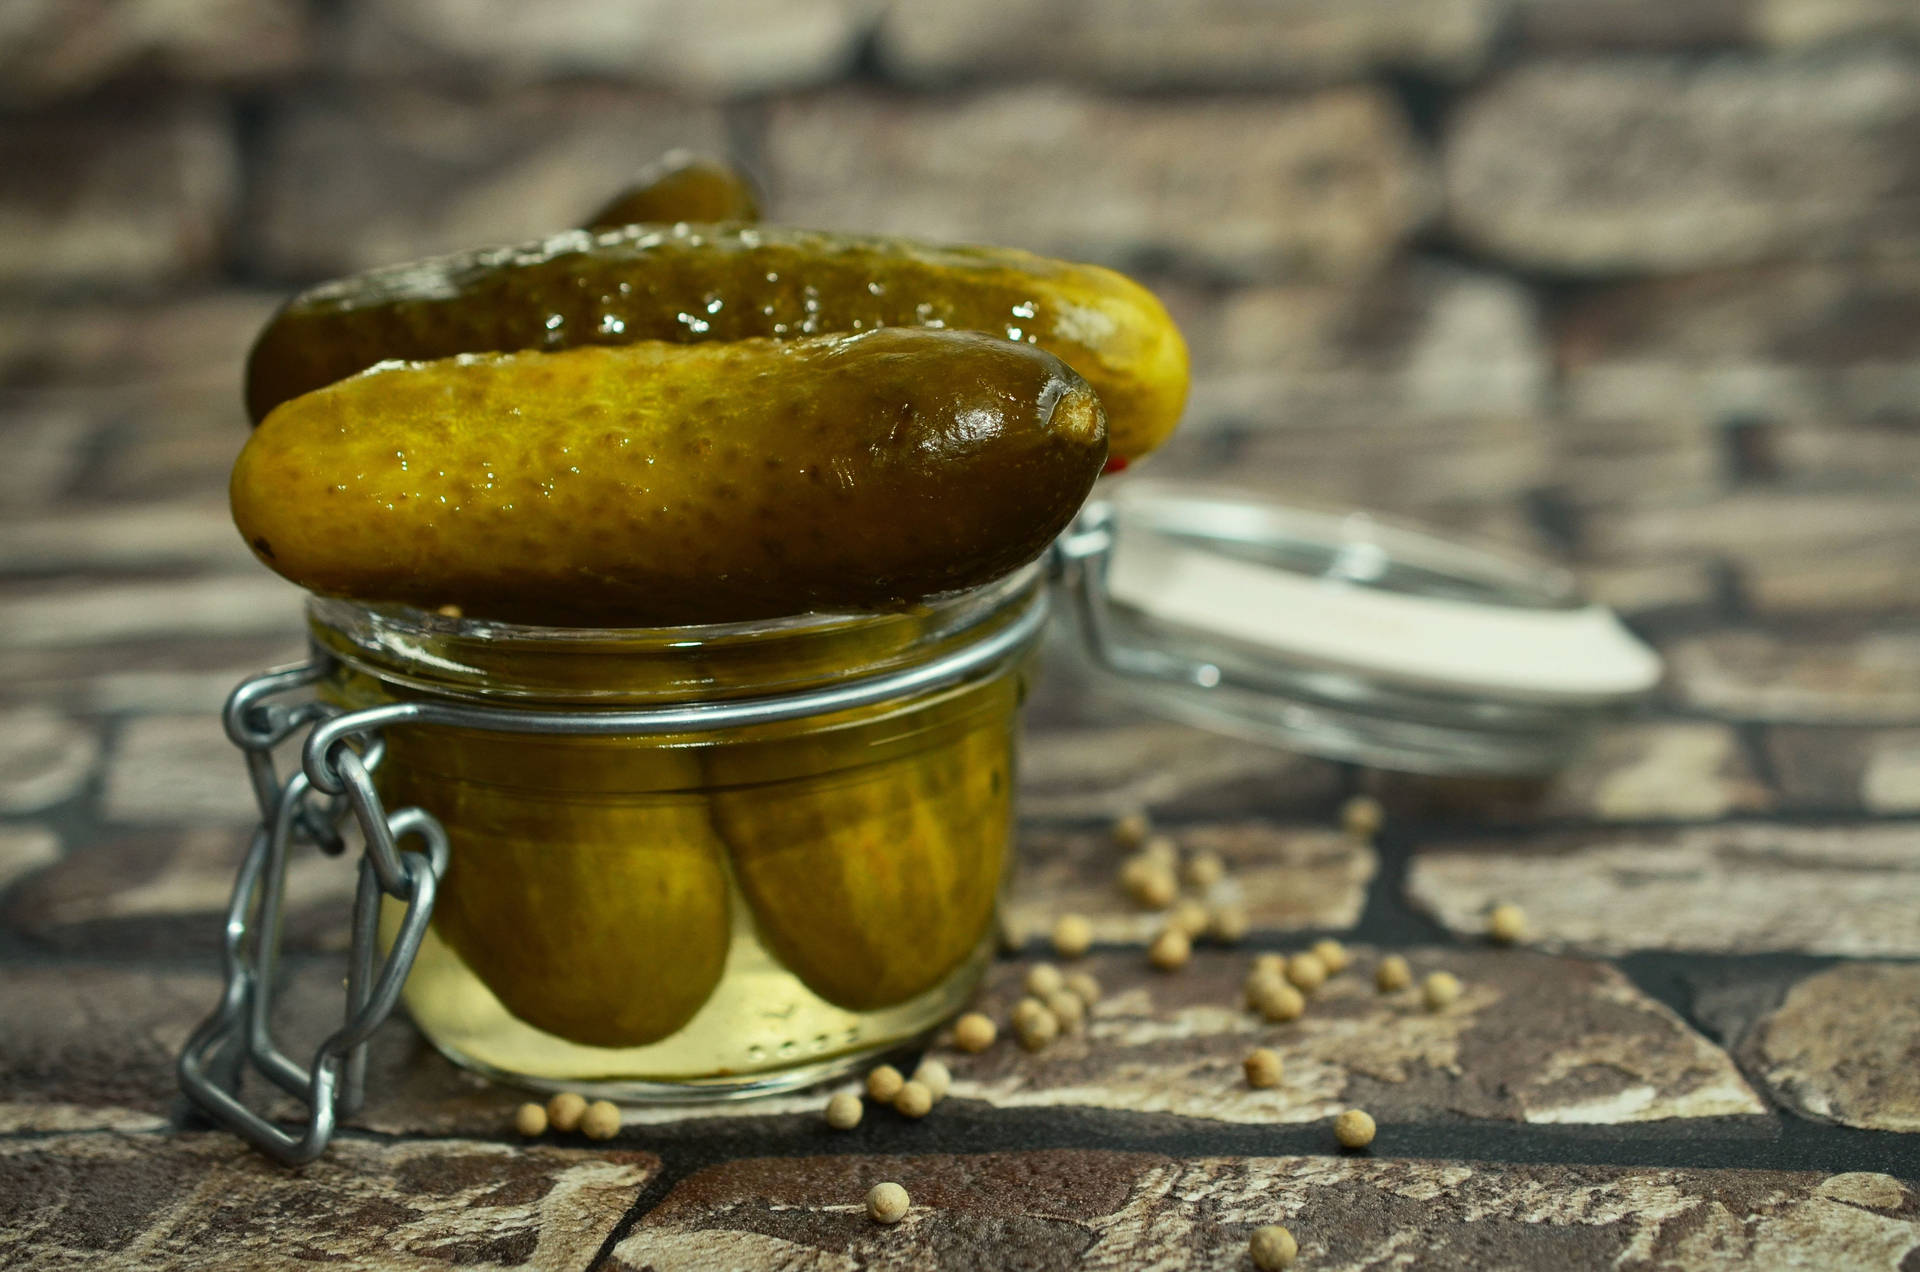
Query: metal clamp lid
column 1343, row 635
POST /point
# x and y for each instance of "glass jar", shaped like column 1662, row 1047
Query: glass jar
column 707, row 910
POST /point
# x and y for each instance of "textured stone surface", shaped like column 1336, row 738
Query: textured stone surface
column 196, row 532
column 44, row 758
column 1110, row 1210
column 1842, row 675
column 1845, row 1047
column 735, row 46
column 177, row 770
column 1197, row 42
column 1533, row 1039
column 1735, row 887
column 203, row 1201
column 1828, row 768
column 114, row 200
column 1670, row 165
column 1793, row 23
column 66, row 615
column 384, row 177
column 46, row 446
column 51, row 48
column 1287, row 878
column 25, row 849
column 1326, row 184
column 1632, row 24
column 1173, row 769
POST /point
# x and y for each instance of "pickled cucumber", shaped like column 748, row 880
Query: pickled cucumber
column 680, row 186
column 602, row 923
column 874, row 883
column 667, row 484
column 710, row 284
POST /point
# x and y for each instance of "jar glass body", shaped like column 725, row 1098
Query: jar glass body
column 709, row 912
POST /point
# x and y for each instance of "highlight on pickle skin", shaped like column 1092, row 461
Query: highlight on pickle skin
column 660, row 484
column 680, row 186
column 705, row 283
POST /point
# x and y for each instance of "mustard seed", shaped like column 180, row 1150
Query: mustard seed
column 1203, row 870
column 1149, row 883
column 1227, row 924
column 1273, row 1248
column 1072, row 935
column 1170, row 950
column 1278, row 1001
column 934, row 1076
column 1362, row 816
column 913, row 1100
column 1083, row 986
column 565, row 1110
column 844, row 1111
column 1068, row 1009
column 1506, row 924
column 1306, row 972
column 1354, row 1129
column 1262, row 1067
column 1332, row 955
column 601, row 1120
column 1274, row 965
column 530, row 1120
column 1440, row 990
column 1036, row 1028
column 1043, row 979
column 888, row 1203
column 1392, row 974
column 884, row 1083
column 1190, row 917
column 1132, row 830
column 974, row 1032
column 1161, row 850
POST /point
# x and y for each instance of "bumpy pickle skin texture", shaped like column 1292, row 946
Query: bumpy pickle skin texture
column 658, row 484
column 704, row 283
column 680, row 186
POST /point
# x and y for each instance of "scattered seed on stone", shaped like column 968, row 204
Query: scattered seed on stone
column 565, row 1110
column 1227, row 924
column 1170, row 950
column 1354, row 1129
column 888, row 1203
column 1440, row 990
column 1132, row 830
column 1083, row 986
column 1149, row 883
column 913, row 1100
column 1037, row 1027
column 530, row 1120
column 884, row 1083
column 1068, row 1009
column 1332, row 955
column 1262, row 1067
column 1362, row 816
column 1191, row 917
column 1306, row 972
column 1203, row 870
column 1278, row 1001
column 1274, row 965
column 1273, row 1248
column 974, row 1032
column 934, row 1076
column 1162, row 850
column 844, row 1111
column 1043, row 979
column 601, row 1121
column 1506, row 924
column 1072, row 935
column 1392, row 974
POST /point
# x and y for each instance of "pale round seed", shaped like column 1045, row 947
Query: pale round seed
column 1278, row 1001
column 974, row 1032
column 888, row 1203
column 1161, row 850
column 1149, row 883
column 1440, row 990
column 1354, row 1129
column 1274, row 965
column 1132, row 830
column 1362, row 816
column 1043, row 979
column 844, row 1111
column 1306, row 972
column 1083, row 986
column 530, row 1120
column 1332, row 955
column 1190, row 917
column 1273, row 1248
column 884, row 1083
column 1227, row 924
column 1262, row 1067
column 565, row 1110
column 1072, row 935
column 1203, row 870
column 934, row 1076
column 1069, row 1009
column 601, row 1120
column 1037, row 1029
column 1170, row 950
column 913, row 1100
column 1506, row 924
column 1392, row 974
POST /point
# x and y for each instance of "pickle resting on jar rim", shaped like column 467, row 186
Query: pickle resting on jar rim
column 654, row 484
column 703, row 283
column 680, row 186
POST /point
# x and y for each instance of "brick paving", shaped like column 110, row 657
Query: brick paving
column 1632, row 285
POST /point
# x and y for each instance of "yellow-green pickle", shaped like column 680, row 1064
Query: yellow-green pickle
column 687, row 467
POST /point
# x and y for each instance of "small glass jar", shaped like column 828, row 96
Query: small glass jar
column 714, row 910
